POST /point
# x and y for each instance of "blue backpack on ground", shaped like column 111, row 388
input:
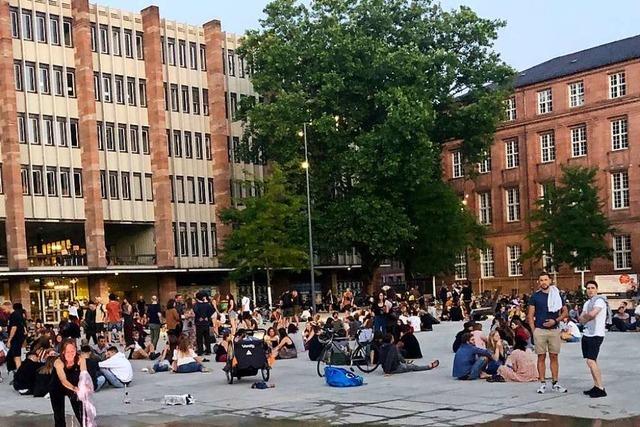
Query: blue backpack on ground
column 340, row 377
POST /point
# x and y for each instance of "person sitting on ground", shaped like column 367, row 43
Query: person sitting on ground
column 569, row 331
column 479, row 339
column 286, row 348
column 272, row 337
column 185, row 359
column 313, row 344
column 415, row 322
column 496, row 346
column 574, row 313
column 467, row 328
column 394, row 363
column 116, row 369
column 222, row 349
column 621, row 321
column 92, row 367
column 408, row 345
column 142, row 348
column 296, row 337
column 470, row 361
column 44, row 377
column 164, row 362
column 520, row 331
column 521, row 366
column 100, row 349
column 25, row 377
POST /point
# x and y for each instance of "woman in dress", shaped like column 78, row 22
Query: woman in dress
column 521, row 365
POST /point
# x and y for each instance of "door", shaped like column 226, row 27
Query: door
column 56, row 304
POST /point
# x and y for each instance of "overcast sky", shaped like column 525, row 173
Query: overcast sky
column 536, row 30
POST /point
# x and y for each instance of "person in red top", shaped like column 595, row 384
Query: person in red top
column 519, row 330
column 114, row 317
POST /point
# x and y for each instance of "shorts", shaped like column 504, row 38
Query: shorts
column 547, row 340
column 117, row 326
column 296, row 310
column 591, row 347
column 287, row 312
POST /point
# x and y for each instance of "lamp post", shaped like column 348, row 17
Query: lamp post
column 305, row 166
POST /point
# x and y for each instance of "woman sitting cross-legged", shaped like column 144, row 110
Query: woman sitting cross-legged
column 521, row 365
column 185, row 359
column 394, row 363
column 286, row 349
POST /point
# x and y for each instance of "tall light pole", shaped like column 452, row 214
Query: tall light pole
column 305, row 166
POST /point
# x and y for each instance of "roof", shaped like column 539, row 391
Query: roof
column 588, row 59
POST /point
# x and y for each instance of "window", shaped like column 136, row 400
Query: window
column 188, row 145
column 202, row 191
column 487, row 265
column 58, row 81
column 41, row 27
column 36, row 178
column 22, row 128
column 27, row 25
column 110, row 137
column 94, row 38
column 47, row 124
column 513, row 204
column 576, row 94
column 617, row 85
column 34, row 129
column 234, row 105
column 513, row 260
column 198, row 142
column 545, row 104
column 52, row 181
column 203, row 57
column 100, row 136
column 619, row 135
column 44, row 80
column 210, row 190
column 140, row 45
column 104, row 39
column 15, row 23
column 67, row 30
column 174, row 98
column 191, row 189
column 148, row 186
column 185, row 99
column 166, row 96
column 579, row 141
column 205, row 102
column 193, row 229
column 511, row 108
column 622, row 252
column 17, row 74
column 145, row 140
column 71, row 82
column 128, row 43
column 77, row 182
column 193, row 56
column 75, row 133
column 173, row 189
column 142, row 87
column 461, row 266
column 184, row 241
column 169, row 146
column 113, row 184
column 547, row 259
column 30, row 76
column 620, row 189
column 26, row 182
column 62, row 131
column 131, row 90
column 137, row 186
column 176, row 241
column 177, row 143
column 456, row 161
column 106, row 88
column 117, row 41
column 171, row 51
column 97, row 89
column 207, row 145
column 180, row 189
column 119, row 82
column 133, row 136
column 214, row 240
column 485, row 164
column 103, row 184
column 54, row 26
column 484, row 208
column 231, row 64
column 547, row 147
column 195, row 95
column 163, row 50
column 182, row 53
column 204, row 235
column 241, row 67
column 126, row 186
column 122, row 138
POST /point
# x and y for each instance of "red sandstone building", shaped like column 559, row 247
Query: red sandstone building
column 578, row 109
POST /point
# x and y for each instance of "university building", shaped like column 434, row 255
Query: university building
column 577, row 109
column 118, row 151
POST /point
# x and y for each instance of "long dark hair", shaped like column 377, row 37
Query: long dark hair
column 63, row 346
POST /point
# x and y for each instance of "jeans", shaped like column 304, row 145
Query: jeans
column 202, row 339
column 477, row 368
column 100, row 380
column 189, row 367
column 155, row 334
column 111, row 378
column 379, row 324
column 492, row 367
column 161, row 366
column 410, row 367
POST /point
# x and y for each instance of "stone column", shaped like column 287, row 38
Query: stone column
column 157, row 137
column 167, row 287
column 89, row 154
column 19, row 292
column 99, row 287
column 218, row 123
column 15, row 228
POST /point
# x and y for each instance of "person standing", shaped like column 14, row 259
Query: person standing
column 90, row 323
column 153, row 314
column 546, row 309
column 17, row 334
column 101, row 315
column 594, row 318
column 65, row 381
column 114, row 318
column 203, row 312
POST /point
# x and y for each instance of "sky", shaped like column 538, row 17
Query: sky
column 537, row 30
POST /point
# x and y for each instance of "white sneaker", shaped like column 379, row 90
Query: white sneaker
column 144, row 370
column 542, row 389
column 558, row 388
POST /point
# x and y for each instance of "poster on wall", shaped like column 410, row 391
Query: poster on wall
column 616, row 283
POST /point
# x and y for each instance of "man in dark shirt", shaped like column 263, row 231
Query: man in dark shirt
column 467, row 328
column 153, row 314
column 92, row 367
column 393, row 362
column 25, row 377
column 470, row 361
column 16, row 339
column 90, row 328
column 546, row 331
column 203, row 312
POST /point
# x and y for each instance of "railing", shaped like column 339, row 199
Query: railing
column 114, row 259
column 41, row 260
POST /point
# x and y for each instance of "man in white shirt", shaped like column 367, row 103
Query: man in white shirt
column 116, row 368
column 594, row 318
column 569, row 331
column 246, row 305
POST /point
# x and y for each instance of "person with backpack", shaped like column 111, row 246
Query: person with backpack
column 595, row 316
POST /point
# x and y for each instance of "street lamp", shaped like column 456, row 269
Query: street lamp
column 305, row 166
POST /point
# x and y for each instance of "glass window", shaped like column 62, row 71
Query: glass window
column 198, row 143
column 511, row 108
column 122, row 138
column 622, row 252
column 126, row 186
column 184, row 240
column 119, row 89
column 94, row 38
column 113, row 185
column 513, row 260
column 484, row 166
column 185, row 98
column 576, row 94
column 110, row 137
column 193, row 56
column 36, row 180
column 177, row 143
column 117, row 41
column 547, row 147
column 180, row 189
column 67, row 29
column 579, row 141
column 617, row 85
column 47, row 124
column 484, row 208
column 207, row 146
column 26, row 182
column 205, row 102
column 77, row 182
column 175, row 105
column 140, row 46
column 30, row 77
column 62, row 132
column 513, row 204
column 17, row 74
column 15, row 23
column 545, row 103
column 133, row 136
column 202, row 191
column 211, row 190
column 58, row 81
column 34, row 129
column 182, row 53
column 231, row 64
column 619, row 135
column 54, row 26
column 44, row 80
column 203, row 57
column 106, row 88
column 487, row 264
column 128, row 43
column 195, row 92
column 137, row 186
column 71, row 82
column 131, row 90
column 460, row 266
column 41, row 27
column 142, row 86
column 74, row 132
column 188, row 145
column 204, row 235
column 620, row 189
column 52, row 181
column 104, row 39
column 27, row 25
column 148, row 186
column 103, row 184
column 456, row 161
column 191, row 189
column 22, row 128
column 193, row 229
column 145, row 140
column 171, row 50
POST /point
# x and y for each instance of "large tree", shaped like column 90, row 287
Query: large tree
column 382, row 84
column 569, row 223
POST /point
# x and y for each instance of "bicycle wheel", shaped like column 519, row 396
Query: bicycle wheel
column 363, row 359
column 323, row 360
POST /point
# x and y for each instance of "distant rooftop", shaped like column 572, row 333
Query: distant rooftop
column 588, row 59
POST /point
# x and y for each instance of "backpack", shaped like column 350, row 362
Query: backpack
column 340, row 377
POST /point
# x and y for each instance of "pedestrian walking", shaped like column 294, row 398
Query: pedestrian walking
column 594, row 318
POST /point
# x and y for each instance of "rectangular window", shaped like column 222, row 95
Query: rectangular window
column 622, row 252
column 547, row 260
column 97, row 87
column 617, row 85
column 52, row 181
column 142, row 87
column 110, row 136
column 185, row 99
column 133, row 137
column 18, row 77
column 163, row 50
column 484, row 166
column 44, row 80
column 41, row 27
column 177, row 143
column 26, row 182
column 205, row 102
column 54, row 27
column 576, row 94
column 103, row 184
column 484, row 208
column 511, row 108
column 63, row 140
column 513, row 204
column 184, row 240
column 166, row 96
column 487, row 264
column 191, row 189
column 122, row 138
column 204, row 235
column 456, row 164
column 210, row 191
column 148, row 186
column 47, row 124
column 137, row 186
column 119, row 89
column 188, row 145
column 30, row 77
column 193, row 229
column 128, row 43
column 131, row 90
column 36, row 180
column 579, row 141
column 171, row 50
column 207, row 145
column 77, row 182
column 74, row 132
column 460, row 266
column 94, row 38
column 193, row 56
column 100, row 135
column 202, row 191
column 58, row 81
column 145, row 140
column 180, row 189
column 67, row 32
column 173, row 189
column 175, row 105
column 198, row 143
column 231, row 64
column 234, row 105
column 182, row 53
column 620, row 189
column 619, row 135
column 203, row 57
column 169, row 145
column 513, row 260
column 214, row 240
column 241, row 67
column 126, row 185
column 547, row 147
column 34, row 129
column 195, row 97
column 106, row 88
column 71, row 82
column 140, row 45
column 104, row 39
column 15, row 23
column 22, row 128
column 545, row 103
column 113, row 185
column 27, row 25
column 117, row 41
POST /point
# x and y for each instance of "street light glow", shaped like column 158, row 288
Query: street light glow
column 305, row 165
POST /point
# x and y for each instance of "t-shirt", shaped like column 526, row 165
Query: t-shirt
column 572, row 328
column 16, row 319
column 596, row 327
column 113, row 312
column 182, row 358
column 539, row 301
column 153, row 313
column 246, row 304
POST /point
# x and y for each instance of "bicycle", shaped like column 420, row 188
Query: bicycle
column 363, row 356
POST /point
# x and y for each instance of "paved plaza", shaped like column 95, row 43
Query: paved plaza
column 424, row 398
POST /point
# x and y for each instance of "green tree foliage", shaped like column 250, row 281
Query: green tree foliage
column 383, row 83
column 569, row 219
column 268, row 233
